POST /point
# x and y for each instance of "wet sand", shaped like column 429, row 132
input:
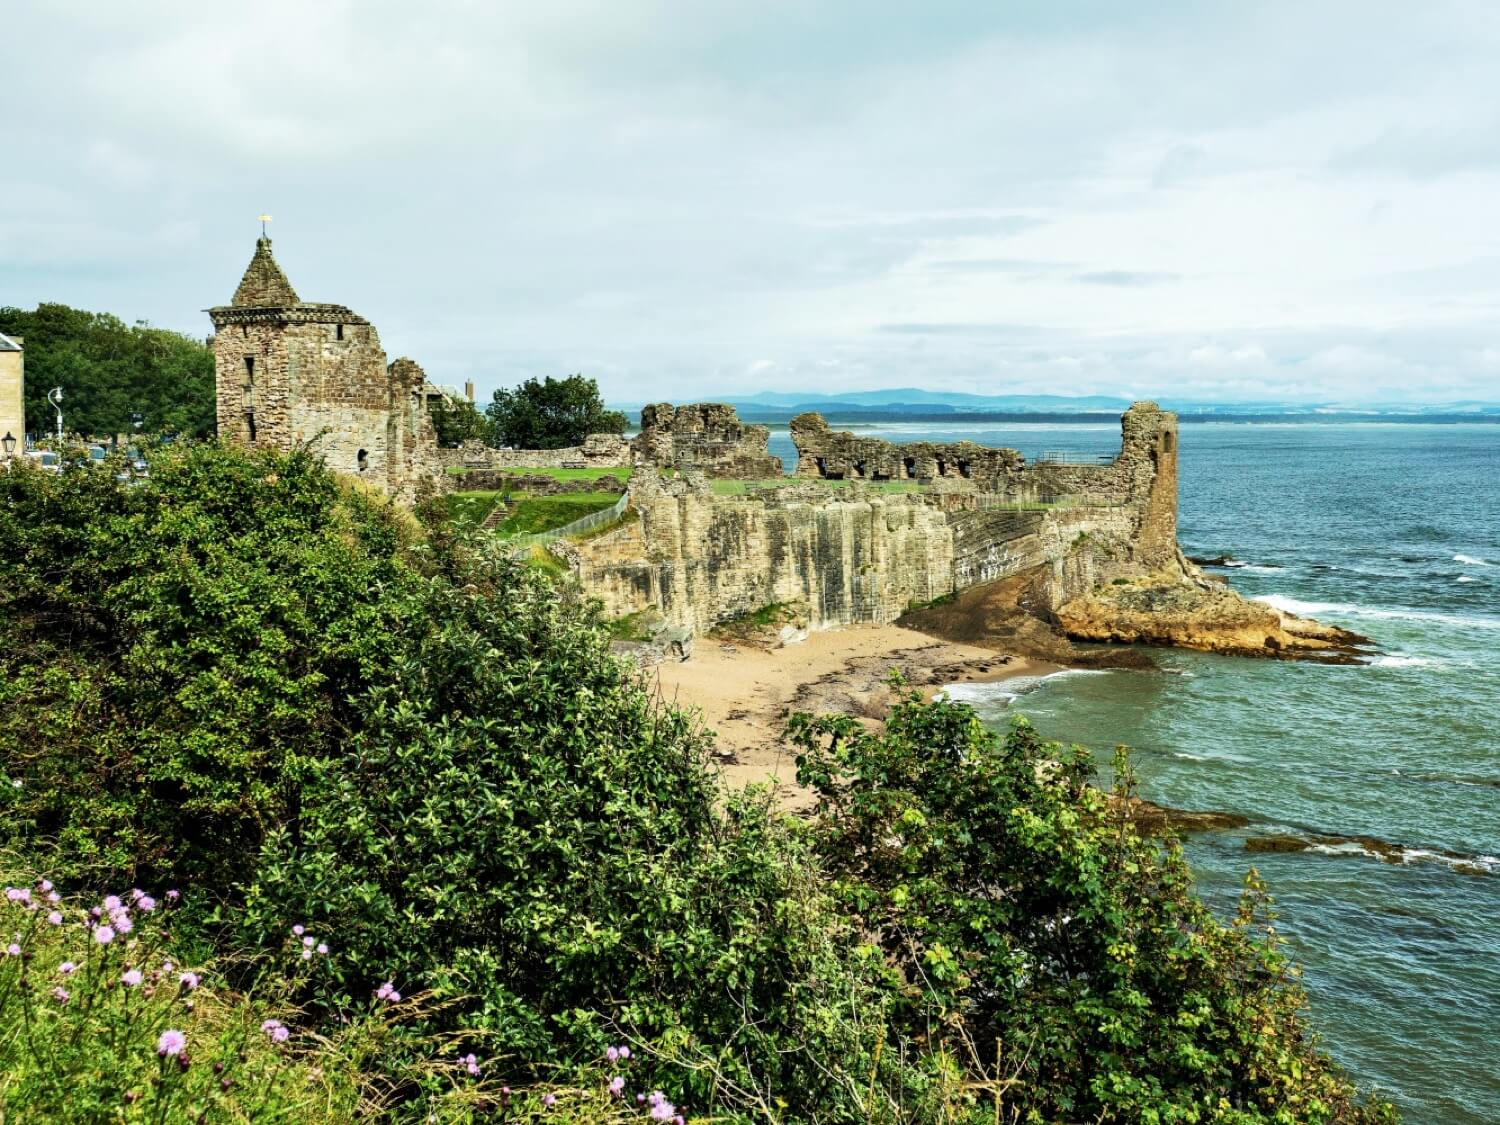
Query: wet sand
column 744, row 692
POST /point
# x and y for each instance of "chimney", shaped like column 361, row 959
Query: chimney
column 469, row 390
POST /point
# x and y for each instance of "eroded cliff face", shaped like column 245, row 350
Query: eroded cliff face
column 701, row 559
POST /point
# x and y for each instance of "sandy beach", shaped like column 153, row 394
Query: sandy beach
column 745, row 692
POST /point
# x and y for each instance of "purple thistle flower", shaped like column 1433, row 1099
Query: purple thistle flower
column 122, row 922
column 112, row 903
column 640, row 1099
column 55, row 918
column 189, row 981
column 13, row 950
column 663, row 1111
column 44, row 885
column 276, row 1030
column 61, row 994
column 612, row 1054
column 172, row 1042
column 147, row 903
column 18, row 894
column 323, row 947
column 549, row 1100
column 307, row 955
column 67, row 968
column 299, row 929
column 53, row 897
column 131, row 978
column 104, row 935
column 679, row 1120
column 309, row 941
column 624, row 1052
column 388, row 993
column 617, row 1085
column 136, row 894
column 173, row 895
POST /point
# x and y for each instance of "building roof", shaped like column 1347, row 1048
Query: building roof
column 8, row 345
column 264, row 286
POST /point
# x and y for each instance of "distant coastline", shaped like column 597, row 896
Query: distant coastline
column 873, row 419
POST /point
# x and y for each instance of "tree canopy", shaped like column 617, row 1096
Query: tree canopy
column 455, row 422
column 110, row 371
column 552, row 414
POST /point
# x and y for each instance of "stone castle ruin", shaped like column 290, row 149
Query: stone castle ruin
column 859, row 554
column 291, row 373
column 707, row 437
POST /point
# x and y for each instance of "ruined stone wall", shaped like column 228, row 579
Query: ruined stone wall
column 506, row 480
column 598, row 451
column 840, row 455
column 707, row 437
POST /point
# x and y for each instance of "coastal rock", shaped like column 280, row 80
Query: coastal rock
column 1177, row 607
column 1155, row 819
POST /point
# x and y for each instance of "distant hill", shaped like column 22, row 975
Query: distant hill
column 916, row 405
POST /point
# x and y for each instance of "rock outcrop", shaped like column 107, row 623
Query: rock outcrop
column 1176, row 606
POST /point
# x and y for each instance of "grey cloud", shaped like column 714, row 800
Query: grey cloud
column 1125, row 278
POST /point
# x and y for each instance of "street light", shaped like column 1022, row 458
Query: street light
column 54, row 396
column 8, row 443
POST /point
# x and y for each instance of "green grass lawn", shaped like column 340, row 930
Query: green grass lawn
column 531, row 515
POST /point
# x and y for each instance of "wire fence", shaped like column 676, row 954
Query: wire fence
column 584, row 523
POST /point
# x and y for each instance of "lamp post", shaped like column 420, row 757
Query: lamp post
column 54, row 396
column 8, row 443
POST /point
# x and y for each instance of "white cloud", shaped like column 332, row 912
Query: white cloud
column 687, row 199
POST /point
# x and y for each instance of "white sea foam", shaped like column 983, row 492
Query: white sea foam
column 1402, row 660
column 1469, row 560
column 1466, row 578
column 1007, row 691
column 1311, row 609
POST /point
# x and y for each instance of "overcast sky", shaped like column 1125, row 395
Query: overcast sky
column 1212, row 200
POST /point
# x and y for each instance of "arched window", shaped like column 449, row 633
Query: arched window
column 1167, row 439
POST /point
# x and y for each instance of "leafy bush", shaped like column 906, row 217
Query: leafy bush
column 1018, row 915
column 269, row 688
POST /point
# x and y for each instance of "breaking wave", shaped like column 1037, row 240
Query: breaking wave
column 1311, row 609
column 1469, row 560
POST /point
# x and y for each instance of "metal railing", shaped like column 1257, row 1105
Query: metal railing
column 583, row 523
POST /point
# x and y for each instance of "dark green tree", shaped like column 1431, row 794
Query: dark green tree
column 456, row 422
column 111, row 371
column 552, row 414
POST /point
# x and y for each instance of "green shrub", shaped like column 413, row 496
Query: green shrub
column 1017, row 914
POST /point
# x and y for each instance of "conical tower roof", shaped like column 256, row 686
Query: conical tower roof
column 264, row 285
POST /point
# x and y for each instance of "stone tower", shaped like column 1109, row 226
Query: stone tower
column 292, row 373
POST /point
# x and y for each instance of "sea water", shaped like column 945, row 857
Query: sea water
column 1392, row 531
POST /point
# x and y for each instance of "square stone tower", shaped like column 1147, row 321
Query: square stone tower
column 292, row 373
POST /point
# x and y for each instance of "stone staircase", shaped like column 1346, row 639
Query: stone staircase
column 495, row 518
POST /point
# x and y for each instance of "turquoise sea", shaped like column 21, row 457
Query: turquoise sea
column 1393, row 531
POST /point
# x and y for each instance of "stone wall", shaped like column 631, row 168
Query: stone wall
column 12, row 393
column 290, row 373
column 840, row 455
column 707, row 437
column 506, row 480
column 598, row 451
